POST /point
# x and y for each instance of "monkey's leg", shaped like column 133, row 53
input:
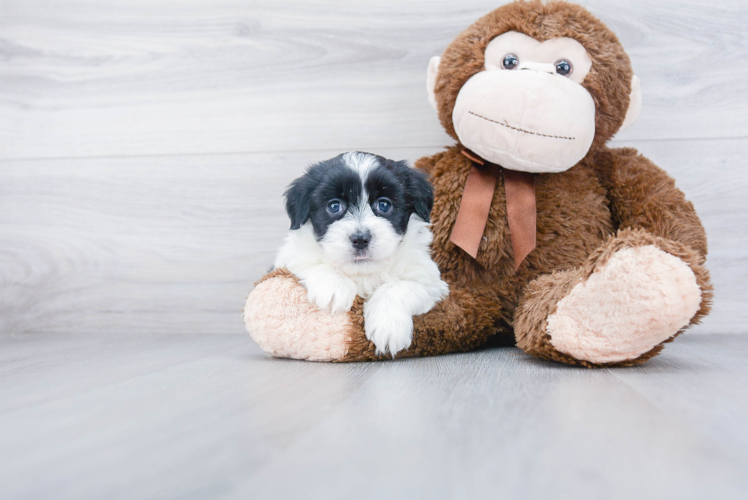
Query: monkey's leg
column 636, row 292
column 283, row 322
column 280, row 318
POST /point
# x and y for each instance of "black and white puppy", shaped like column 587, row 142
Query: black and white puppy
column 359, row 226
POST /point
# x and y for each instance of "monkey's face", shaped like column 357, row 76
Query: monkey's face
column 533, row 86
column 527, row 110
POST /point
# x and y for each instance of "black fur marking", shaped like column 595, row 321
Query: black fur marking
column 408, row 189
column 307, row 197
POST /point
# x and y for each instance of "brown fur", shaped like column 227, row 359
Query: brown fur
column 612, row 199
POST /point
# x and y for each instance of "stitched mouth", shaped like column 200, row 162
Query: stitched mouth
column 506, row 125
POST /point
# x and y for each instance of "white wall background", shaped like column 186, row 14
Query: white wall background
column 145, row 145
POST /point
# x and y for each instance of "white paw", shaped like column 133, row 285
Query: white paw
column 638, row 299
column 388, row 326
column 334, row 293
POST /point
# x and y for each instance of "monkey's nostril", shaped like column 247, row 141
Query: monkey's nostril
column 360, row 240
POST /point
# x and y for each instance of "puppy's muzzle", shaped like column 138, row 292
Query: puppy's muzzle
column 361, row 240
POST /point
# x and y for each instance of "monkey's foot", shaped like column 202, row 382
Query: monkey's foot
column 636, row 300
column 280, row 318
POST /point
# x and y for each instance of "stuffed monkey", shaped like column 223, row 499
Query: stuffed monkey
column 549, row 239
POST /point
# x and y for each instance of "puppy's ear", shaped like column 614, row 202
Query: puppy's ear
column 299, row 200
column 423, row 194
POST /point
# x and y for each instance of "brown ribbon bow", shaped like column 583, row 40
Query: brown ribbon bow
column 476, row 204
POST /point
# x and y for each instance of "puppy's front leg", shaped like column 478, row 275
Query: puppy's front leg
column 388, row 314
column 328, row 289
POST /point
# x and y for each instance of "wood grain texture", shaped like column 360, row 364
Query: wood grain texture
column 184, row 416
column 83, row 78
column 124, row 207
column 173, row 244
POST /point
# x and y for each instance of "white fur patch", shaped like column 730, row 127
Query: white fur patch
column 360, row 162
column 641, row 297
column 329, row 289
column 336, row 243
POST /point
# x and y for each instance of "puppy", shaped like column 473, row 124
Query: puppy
column 359, row 226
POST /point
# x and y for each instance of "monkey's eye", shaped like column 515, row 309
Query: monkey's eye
column 383, row 205
column 564, row 67
column 510, row 62
column 334, row 207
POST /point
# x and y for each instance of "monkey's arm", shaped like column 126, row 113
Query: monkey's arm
column 280, row 318
column 462, row 321
column 643, row 196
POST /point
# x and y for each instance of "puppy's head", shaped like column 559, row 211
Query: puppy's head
column 359, row 205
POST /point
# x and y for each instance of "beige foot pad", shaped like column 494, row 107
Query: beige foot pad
column 641, row 297
column 281, row 320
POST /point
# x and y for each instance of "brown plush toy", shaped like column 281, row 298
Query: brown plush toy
column 578, row 253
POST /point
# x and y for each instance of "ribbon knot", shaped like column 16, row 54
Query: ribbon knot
column 476, row 205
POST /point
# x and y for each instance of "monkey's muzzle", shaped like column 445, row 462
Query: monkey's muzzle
column 530, row 121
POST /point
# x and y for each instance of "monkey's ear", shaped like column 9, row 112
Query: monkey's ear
column 635, row 103
column 431, row 79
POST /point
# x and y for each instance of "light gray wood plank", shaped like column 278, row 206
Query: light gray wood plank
column 173, row 244
column 230, row 422
column 91, row 361
column 518, row 428
column 81, row 78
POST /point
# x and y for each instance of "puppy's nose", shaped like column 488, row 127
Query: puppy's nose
column 361, row 240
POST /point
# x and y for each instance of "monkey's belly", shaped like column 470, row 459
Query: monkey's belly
column 573, row 220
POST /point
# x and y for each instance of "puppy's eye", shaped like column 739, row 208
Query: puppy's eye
column 510, row 62
column 334, row 207
column 564, row 67
column 383, row 205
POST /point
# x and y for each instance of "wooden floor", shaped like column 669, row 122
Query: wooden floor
column 210, row 416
